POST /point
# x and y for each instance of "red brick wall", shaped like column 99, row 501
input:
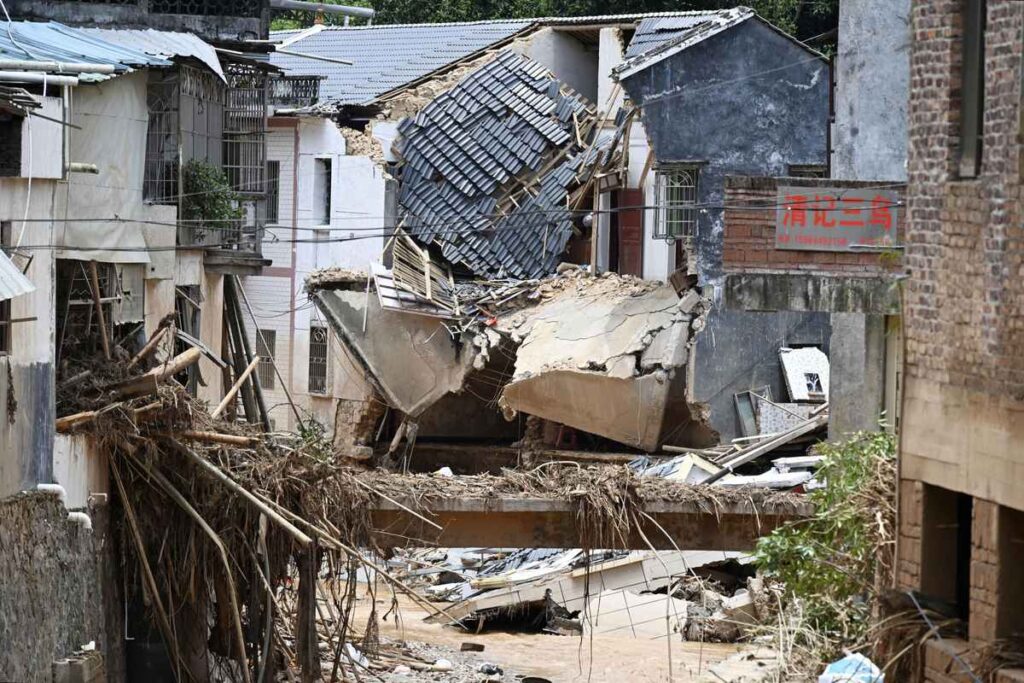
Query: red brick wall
column 749, row 233
column 965, row 242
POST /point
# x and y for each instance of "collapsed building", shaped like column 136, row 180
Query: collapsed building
column 502, row 169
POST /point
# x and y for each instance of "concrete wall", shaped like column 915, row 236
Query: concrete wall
column 359, row 207
column 872, row 80
column 59, row 589
column 138, row 15
column 569, row 59
column 702, row 105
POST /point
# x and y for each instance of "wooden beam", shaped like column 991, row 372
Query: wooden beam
column 484, row 458
column 94, row 285
column 551, row 523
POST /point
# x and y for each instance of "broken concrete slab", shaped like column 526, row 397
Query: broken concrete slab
column 627, row 614
column 607, row 356
column 411, row 359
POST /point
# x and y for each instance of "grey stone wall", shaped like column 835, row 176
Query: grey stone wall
column 57, row 591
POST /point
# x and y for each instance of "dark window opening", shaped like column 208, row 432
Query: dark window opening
column 946, row 526
column 5, row 305
column 78, row 324
column 273, row 190
column 317, row 360
column 972, row 91
column 808, row 171
column 322, row 191
column 10, row 144
column 1009, row 616
column 266, row 346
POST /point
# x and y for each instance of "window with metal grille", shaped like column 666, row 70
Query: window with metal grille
column 322, row 191
column 317, row 360
column 972, row 94
column 10, row 144
column 273, row 183
column 676, row 201
column 245, row 128
column 266, row 344
column 807, row 171
column 222, row 8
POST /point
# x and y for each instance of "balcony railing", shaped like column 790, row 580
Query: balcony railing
column 295, row 91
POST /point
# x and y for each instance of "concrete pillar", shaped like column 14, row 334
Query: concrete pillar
column 857, row 373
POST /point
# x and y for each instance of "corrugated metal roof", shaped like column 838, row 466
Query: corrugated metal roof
column 12, row 282
column 387, row 57
column 461, row 152
column 54, row 42
column 165, row 44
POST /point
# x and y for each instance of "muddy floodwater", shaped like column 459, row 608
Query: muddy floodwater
column 561, row 659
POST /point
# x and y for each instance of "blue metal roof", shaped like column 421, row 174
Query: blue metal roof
column 387, row 57
column 53, row 42
column 165, row 44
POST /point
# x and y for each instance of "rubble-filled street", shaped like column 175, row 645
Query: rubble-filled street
column 533, row 342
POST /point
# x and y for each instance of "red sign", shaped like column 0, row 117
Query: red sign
column 835, row 219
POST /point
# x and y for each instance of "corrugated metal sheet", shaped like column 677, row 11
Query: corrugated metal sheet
column 502, row 122
column 164, row 44
column 387, row 57
column 12, row 282
column 53, row 42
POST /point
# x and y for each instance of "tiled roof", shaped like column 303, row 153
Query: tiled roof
column 53, row 42
column 386, row 57
column 654, row 31
column 461, row 152
column 165, row 44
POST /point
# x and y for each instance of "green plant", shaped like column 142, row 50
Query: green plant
column 838, row 561
column 207, row 200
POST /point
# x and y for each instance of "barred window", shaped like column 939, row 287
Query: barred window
column 266, row 344
column 273, row 183
column 676, row 201
column 317, row 360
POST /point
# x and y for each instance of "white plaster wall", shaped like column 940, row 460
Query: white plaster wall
column 611, row 49
column 80, row 468
column 42, row 141
column 568, row 58
column 356, row 226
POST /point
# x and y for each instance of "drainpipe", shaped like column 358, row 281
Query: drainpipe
column 31, row 77
column 344, row 10
column 59, row 67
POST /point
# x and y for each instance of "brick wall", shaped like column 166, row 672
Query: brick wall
column 965, row 242
column 908, row 557
column 749, row 233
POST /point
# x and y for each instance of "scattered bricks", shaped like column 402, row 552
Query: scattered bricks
column 940, row 664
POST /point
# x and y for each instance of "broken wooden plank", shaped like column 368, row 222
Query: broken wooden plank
column 219, row 437
column 148, row 348
column 234, row 388
column 94, row 286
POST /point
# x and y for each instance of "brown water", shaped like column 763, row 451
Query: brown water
column 565, row 659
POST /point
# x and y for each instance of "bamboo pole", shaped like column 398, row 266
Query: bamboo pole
column 94, row 285
column 178, row 498
column 234, row 388
column 218, row 437
column 245, row 493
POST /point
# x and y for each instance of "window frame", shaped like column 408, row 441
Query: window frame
column 318, row 363
column 972, row 89
column 6, row 310
column 11, row 143
column 266, row 349
column 273, row 191
column 682, row 211
column 322, row 201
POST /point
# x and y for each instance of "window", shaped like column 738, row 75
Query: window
column 273, row 190
column 5, row 305
column 317, row 360
column 10, row 144
column 322, row 191
column 807, row 171
column 676, row 202
column 266, row 344
column 972, row 92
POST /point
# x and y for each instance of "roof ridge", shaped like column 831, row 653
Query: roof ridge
column 524, row 20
